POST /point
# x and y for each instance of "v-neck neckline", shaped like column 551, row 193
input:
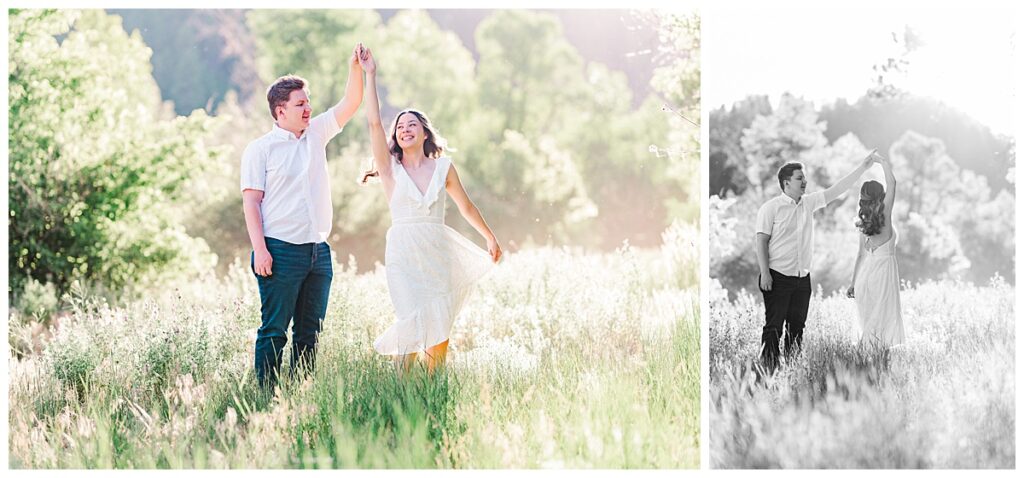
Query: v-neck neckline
column 413, row 181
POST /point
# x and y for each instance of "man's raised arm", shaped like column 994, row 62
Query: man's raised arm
column 837, row 189
column 346, row 108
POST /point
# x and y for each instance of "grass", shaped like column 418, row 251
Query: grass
column 561, row 359
column 944, row 399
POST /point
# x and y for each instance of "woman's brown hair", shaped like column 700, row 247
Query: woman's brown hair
column 872, row 208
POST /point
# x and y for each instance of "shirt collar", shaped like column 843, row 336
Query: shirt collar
column 281, row 133
column 788, row 200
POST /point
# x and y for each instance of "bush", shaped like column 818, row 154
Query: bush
column 93, row 170
column 37, row 299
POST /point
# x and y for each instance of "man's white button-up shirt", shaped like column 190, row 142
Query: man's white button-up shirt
column 292, row 173
column 791, row 227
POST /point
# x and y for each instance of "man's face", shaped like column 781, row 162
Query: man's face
column 296, row 112
column 796, row 184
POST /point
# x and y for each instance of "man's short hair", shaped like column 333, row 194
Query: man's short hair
column 282, row 89
column 786, row 172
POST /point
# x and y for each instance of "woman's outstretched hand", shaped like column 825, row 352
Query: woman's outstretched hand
column 878, row 158
column 871, row 158
column 494, row 249
column 366, row 59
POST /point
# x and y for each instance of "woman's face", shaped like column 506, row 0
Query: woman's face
column 409, row 132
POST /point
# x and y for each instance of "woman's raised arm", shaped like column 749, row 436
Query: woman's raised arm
column 378, row 139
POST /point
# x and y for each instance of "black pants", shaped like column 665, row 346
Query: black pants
column 785, row 308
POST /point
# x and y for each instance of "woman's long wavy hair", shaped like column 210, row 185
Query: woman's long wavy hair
column 872, row 208
column 433, row 146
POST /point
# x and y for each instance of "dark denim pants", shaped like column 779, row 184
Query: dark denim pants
column 785, row 308
column 297, row 288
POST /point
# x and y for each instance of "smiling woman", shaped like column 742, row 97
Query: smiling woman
column 431, row 268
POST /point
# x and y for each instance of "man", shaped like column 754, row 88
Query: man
column 784, row 241
column 286, row 199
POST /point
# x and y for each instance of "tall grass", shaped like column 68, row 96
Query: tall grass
column 945, row 399
column 561, row 359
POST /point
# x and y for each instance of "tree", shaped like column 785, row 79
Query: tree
column 891, row 73
column 523, row 55
column 92, row 164
column 951, row 212
column 198, row 55
column 515, row 141
column 427, row 68
column 970, row 143
column 727, row 162
column 678, row 81
column 781, row 137
column 316, row 45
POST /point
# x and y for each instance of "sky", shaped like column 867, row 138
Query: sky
column 823, row 54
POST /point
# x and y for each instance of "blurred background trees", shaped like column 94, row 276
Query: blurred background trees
column 98, row 164
column 955, row 203
column 954, row 210
column 552, row 124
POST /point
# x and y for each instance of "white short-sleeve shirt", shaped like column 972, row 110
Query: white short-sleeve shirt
column 791, row 227
column 292, row 173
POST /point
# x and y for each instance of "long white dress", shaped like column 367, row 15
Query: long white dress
column 877, row 293
column 430, row 267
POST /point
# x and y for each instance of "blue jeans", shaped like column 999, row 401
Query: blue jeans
column 297, row 287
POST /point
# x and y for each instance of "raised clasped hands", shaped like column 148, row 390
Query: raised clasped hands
column 353, row 61
column 365, row 59
column 874, row 157
column 871, row 158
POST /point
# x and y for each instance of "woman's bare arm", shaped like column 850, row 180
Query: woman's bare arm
column 470, row 212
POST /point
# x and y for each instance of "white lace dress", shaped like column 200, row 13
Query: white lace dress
column 430, row 267
column 877, row 294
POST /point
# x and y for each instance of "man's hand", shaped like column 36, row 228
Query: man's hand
column 262, row 262
column 766, row 282
column 353, row 61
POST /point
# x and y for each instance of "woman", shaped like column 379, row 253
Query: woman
column 876, row 276
column 430, row 268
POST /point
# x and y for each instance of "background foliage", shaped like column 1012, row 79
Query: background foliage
column 955, row 198
column 111, row 185
column 97, row 163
